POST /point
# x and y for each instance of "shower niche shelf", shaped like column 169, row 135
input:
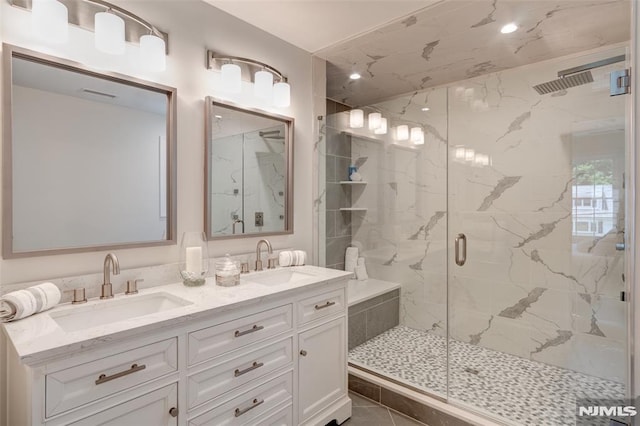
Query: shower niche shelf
column 353, row 209
column 352, row 182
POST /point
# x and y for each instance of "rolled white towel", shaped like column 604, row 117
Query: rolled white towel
column 292, row 258
column 24, row 303
column 300, row 257
column 361, row 270
column 285, row 258
column 47, row 295
column 351, row 259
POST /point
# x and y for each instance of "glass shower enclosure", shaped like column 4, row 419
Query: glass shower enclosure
column 504, row 226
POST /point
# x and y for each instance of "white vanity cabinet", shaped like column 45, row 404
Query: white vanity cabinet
column 274, row 361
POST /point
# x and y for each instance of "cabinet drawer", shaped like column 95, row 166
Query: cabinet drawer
column 215, row 381
column 149, row 409
column 75, row 386
column 282, row 417
column 213, row 341
column 322, row 305
column 249, row 407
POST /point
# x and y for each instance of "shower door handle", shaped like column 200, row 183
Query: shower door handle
column 461, row 255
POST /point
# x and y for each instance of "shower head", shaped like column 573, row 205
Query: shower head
column 272, row 134
column 576, row 76
column 563, row 83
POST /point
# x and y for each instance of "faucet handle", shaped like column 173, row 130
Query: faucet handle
column 271, row 263
column 132, row 286
column 79, row 296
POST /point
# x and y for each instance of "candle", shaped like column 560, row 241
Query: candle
column 194, row 259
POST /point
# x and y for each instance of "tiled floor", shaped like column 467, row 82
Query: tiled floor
column 368, row 413
column 522, row 391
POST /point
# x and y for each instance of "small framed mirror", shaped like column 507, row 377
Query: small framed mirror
column 88, row 158
column 248, row 173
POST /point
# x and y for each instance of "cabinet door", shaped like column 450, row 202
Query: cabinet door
column 322, row 364
column 156, row 408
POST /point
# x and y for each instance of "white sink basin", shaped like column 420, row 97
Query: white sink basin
column 279, row 277
column 109, row 311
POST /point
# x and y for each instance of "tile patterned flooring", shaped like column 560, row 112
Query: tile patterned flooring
column 369, row 413
column 518, row 390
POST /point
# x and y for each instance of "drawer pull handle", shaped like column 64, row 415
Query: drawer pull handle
column 240, row 412
column 253, row 329
column 326, row 305
column 173, row 412
column 303, row 352
column 103, row 378
column 248, row 369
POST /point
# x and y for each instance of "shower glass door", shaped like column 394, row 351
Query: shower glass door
column 536, row 188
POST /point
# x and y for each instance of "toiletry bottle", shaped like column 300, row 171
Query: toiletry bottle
column 352, row 170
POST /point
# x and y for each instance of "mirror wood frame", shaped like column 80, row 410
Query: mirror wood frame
column 210, row 103
column 9, row 53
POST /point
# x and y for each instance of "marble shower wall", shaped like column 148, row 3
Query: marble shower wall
column 534, row 285
column 531, row 286
column 248, row 176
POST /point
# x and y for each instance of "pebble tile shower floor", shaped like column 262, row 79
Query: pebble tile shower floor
column 519, row 390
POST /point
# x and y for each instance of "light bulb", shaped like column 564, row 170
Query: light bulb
column 263, row 85
column 281, row 94
column 152, row 52
column 109, row 33
column 49, row 21
column 231, row 78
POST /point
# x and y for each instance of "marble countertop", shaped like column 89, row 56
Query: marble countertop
column 39, row 338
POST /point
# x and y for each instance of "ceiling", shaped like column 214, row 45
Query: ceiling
column 456, row 40
column 401, row 47
column 317, row 24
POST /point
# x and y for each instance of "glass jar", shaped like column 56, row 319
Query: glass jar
column 227, row 272
column 194, row 258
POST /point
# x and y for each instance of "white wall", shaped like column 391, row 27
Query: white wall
column 193, row 27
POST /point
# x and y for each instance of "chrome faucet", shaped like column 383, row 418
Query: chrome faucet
column 258, row 255
column 107, row 288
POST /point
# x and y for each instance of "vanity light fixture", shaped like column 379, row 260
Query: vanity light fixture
column 509, row 28
column 231, row 75
column 417, row 136
column 112, row 25
column 356, row 118
column 382, row 130
column 279, row 93
column 426, row 109
column 402, row 132
column 109, row 33
column 263, row 84
column 375, row 119
column 49, row 21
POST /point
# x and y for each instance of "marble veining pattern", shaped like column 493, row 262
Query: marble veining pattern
column 533, row 286
column 442, row 44
column 517, row 390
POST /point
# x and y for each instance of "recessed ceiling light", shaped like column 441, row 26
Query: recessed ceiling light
column 355, row 76
column 426, row 109
column 218, row 116
column 509, row 28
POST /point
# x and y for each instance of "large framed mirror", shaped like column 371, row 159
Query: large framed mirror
column 88, row 158
column 248, row 173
